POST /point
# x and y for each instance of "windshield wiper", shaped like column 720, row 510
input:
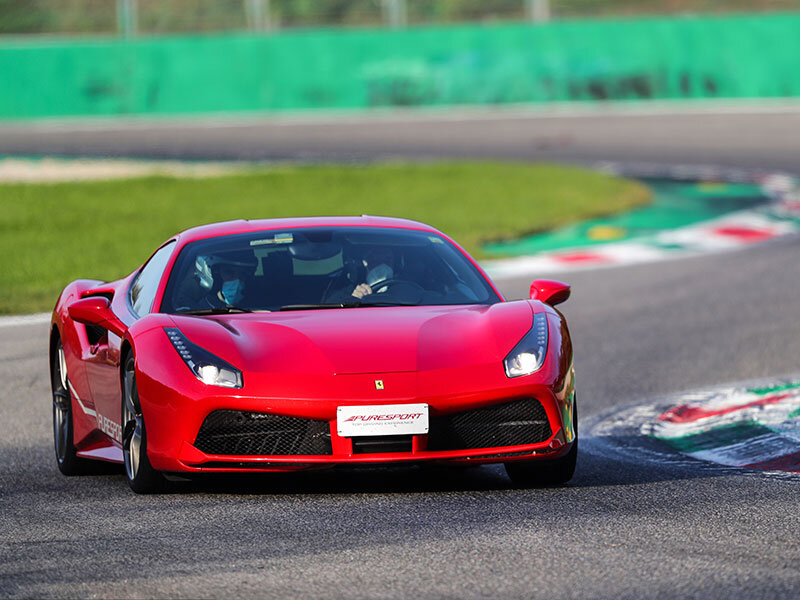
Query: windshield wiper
column 322, row 305
column 216, row 310
column 361, row 303
column 366, row 302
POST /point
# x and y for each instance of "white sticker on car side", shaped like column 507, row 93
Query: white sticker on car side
column 106, row 425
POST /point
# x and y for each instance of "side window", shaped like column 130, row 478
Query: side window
column 143, row 290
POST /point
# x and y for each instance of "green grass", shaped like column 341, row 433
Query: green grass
column 51, row 234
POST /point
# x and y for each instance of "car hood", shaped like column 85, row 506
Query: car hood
column 363, row 340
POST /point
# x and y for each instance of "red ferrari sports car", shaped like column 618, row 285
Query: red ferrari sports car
column 287, row 344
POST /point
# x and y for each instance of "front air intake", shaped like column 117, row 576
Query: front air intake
column 510, row 424
column 380, row 444
column 239, row 433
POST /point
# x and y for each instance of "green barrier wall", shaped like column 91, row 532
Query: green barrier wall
column 731, row 57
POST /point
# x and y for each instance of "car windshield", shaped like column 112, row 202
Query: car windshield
column 322, row 267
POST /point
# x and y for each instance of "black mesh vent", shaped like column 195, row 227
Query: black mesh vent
column 233, row 432
column 95, row 334
column 511, row 424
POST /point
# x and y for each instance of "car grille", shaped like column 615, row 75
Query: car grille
column 510, row 424
column 260, row 434
column 381, row 444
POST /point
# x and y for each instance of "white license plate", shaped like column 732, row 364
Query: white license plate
column 386, row 419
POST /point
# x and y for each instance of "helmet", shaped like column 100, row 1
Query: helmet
column 209, row 269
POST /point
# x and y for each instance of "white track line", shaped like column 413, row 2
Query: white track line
column 17, row 320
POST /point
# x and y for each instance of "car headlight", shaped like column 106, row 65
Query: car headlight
column 207, row 367
column 528, row 355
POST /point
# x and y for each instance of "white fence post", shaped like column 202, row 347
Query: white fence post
column 395, row 13
column 258, row 15
column 127, row 18
column 538, row 10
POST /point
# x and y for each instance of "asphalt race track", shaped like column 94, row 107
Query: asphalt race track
column 626, row 527
column 743, row 136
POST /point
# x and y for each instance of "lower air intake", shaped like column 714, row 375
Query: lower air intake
column 381, row 444
column 510, row 424
column 233, row 432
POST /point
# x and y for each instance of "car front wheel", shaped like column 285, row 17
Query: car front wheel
column 142, row 477
column 66, row 455
column 543, row 473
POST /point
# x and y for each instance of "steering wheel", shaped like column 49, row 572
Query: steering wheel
column 388, row 283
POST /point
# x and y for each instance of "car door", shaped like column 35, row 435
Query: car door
column 103, row 364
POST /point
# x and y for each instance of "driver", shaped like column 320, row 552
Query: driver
column 379, row 263
column 230, row 280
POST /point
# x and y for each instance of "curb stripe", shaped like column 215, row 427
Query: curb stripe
column 688, row 414
column 775, row 416
column 762, row 448
column 790, row 462
column 739, row 229
column 771, row 389
column 718, row 437
column 755, row 427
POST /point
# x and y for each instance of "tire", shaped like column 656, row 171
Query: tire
column 546, row 473
column 63, row 429
column 142, row 477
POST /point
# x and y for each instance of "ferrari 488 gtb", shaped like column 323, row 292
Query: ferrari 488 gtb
column 290, row 344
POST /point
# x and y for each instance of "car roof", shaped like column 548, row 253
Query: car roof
column 247, row 226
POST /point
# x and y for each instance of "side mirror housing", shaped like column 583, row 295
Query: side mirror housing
column 550, row 291
column 96, row 310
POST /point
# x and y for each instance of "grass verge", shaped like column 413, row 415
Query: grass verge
column 51, row 234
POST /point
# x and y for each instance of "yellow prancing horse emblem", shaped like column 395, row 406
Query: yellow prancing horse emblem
column 379, row 384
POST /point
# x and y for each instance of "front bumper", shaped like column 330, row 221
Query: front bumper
column 288, row 443
column 173, row 442
column 175, row 405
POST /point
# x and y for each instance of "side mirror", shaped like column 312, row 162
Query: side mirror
column 96, row 310
column 550, row 291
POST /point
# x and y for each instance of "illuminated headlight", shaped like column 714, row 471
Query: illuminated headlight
column 207, row 367
column 528, row 355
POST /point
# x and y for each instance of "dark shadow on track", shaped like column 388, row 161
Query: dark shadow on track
column 595, row 470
